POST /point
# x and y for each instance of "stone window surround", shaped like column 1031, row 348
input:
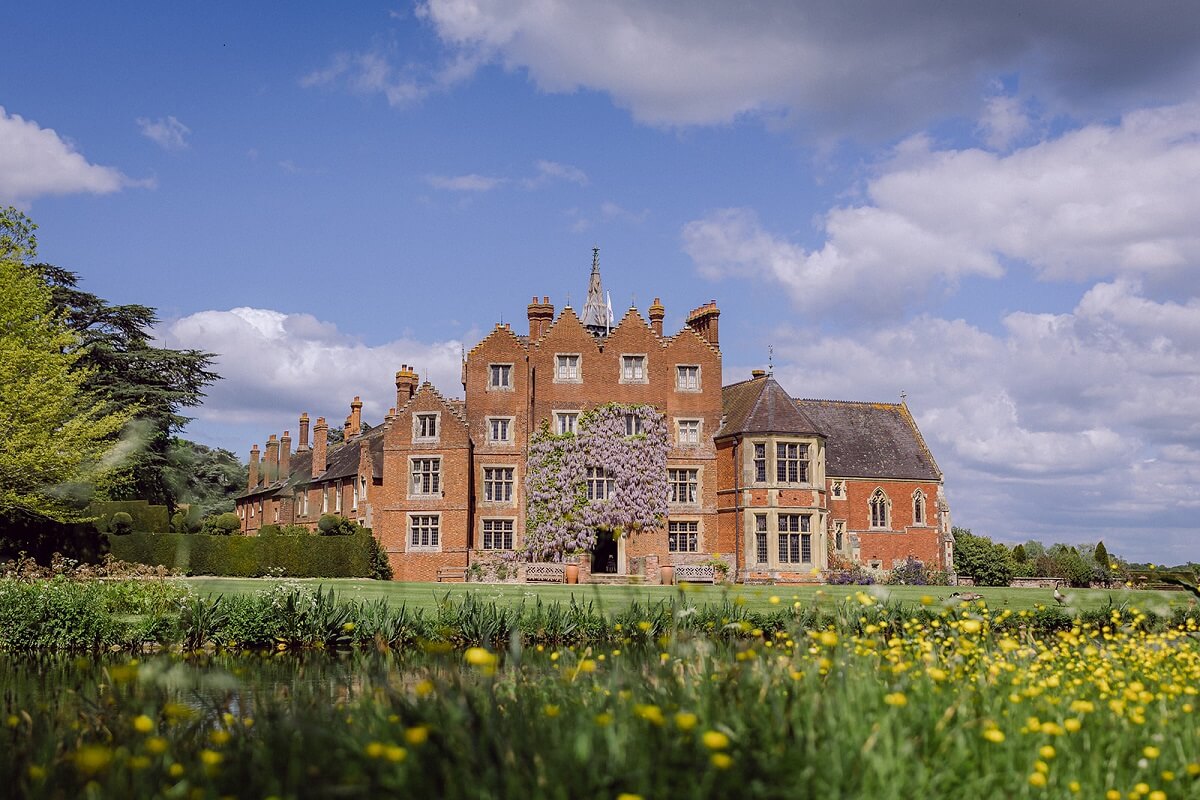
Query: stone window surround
column 837, row 489
column 875, row 496
column 578, row 368
column 482, row 541
column 488, row 433
column 498, row 503
column 554, row 419
column 409, row 478
column 408, row 534
column 699, row 431
column 699, row 378
column 920, row 520
column 816, row 470
column 817, row 525
column 499, row 387
column 437, row 424
column 699, row 523
column 699, row 470
column 645, row 368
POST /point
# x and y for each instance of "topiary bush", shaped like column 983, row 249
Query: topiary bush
column 225, row 524
column 121, row 523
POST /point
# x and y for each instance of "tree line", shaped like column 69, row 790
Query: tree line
column 90, row 407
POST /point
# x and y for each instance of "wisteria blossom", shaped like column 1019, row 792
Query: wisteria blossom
column 629, row 444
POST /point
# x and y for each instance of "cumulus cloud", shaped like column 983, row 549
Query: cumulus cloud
column 1003, row 121
column 871, row 67
column 1102, row 201
column 1069, row 427
column 275, row 364
column 166, row 132
column 36, row 161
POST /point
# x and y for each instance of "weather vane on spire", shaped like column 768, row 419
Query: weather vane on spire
column 770, row 359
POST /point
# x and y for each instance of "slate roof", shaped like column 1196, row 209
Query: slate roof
column 343, row 461
column 871, row 440
column 761, row 405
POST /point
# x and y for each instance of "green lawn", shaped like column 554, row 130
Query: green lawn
column 756, row 597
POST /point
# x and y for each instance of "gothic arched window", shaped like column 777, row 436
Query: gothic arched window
column 879, row 509
column 918, row 507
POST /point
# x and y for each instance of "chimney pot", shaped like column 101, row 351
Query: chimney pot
column 757, row 373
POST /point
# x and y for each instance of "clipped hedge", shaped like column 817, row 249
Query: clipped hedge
column 145, row 517
column 249, row 556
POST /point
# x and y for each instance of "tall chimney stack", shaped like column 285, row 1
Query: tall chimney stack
column 285, row 455
column 271, row 466
column 355, row 417
column 703, row 321
column 302, row 445
column 320, row 446
column 253, row 468
column 541, row 315
column 657, row 312
column 406, row 385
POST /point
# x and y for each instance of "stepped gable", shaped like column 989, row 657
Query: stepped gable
column 456, row 407
column 632, row 326
column 760, row 405
column 871, row 440
column 567, row 323
column 688, row 331
column 502, row 330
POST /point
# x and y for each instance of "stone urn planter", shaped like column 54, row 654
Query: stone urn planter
column 666, row 575
column 571, row 573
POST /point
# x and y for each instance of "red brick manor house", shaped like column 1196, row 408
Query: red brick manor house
column 777, row 487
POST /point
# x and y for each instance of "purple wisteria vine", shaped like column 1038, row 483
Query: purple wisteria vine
column 620, row 454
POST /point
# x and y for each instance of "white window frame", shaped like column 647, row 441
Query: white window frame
column 633, row 424
column 803, row 462
column 511, row 481
column 324, row 499
column 631, row 365
column 337, row 497
column 508, row 429
column 692, row 482
column 353, row 496
column 362, row 480
column 511, row 533
column 436, row 531
column 572, row 414
column 435, row 481
column 602, row 479
column 839, row 534
column 437, row 426
column 682, row 378
column 492, row 385
column 560, row 364
column 698, row 424
column 692, row 534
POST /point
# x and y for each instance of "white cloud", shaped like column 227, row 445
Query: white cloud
column 554, row 171
column 36, row 161
column 1062, row 427
column 465, row 183
column 166, row 132
column 274, row 365
column 1103, row 201
column 373, row 72
column 1003, row 121
column 875, row 67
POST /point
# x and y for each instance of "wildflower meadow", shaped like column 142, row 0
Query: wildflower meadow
column 872, row 699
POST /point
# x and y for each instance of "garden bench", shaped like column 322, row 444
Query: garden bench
column 695, row 573
column 452, row 574
column 545, row 572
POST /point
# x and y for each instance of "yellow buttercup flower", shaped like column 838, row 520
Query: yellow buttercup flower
column 721, row 760
column 896, row 699
column 715, row 740
column 210, row 758
column 685, row 720
column 143, row 724
column 994, row 735
column 417, row 735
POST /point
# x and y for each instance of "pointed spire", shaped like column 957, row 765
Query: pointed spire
column 595, row 312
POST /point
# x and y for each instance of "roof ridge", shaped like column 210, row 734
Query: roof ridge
column 872, row 403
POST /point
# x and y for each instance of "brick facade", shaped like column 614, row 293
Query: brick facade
column 441, row 479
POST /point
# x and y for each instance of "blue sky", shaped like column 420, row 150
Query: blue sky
column 989, row 208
